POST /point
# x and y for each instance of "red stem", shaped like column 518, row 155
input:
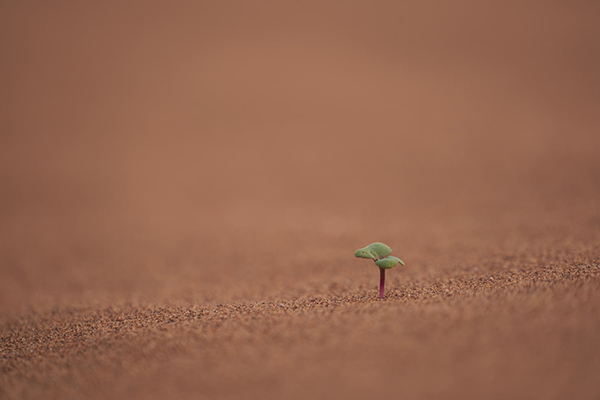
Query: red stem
column 381, row 282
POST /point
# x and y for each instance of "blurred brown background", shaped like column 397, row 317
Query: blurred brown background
column 200, row 152
column 153, row 119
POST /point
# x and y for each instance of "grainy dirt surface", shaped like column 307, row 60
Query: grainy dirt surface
column 183, row 186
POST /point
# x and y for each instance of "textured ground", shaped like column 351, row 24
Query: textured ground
column 183, row 187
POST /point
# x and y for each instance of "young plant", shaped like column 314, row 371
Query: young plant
column 380, row 253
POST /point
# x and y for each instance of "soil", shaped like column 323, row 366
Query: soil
column 184, row 187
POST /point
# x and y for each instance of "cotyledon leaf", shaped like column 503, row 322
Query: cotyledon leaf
column 374, row 251
column 364, row 253
column 389, row 262
column 381, row 250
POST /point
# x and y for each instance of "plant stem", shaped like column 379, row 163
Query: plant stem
column 381, row 282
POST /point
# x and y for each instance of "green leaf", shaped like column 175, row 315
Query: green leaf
column 389, row 262
column 364, row 253
column 380, row 250
column 374, row 251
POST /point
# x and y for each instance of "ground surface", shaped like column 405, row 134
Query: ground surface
column 184, row 186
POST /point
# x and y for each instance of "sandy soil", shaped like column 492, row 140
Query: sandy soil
column 184, row 186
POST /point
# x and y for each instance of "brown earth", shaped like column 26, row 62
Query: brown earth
column 183, row 185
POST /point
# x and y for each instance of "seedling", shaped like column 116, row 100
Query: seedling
column 380, row 253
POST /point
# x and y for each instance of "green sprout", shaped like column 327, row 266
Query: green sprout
column 380, row 253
